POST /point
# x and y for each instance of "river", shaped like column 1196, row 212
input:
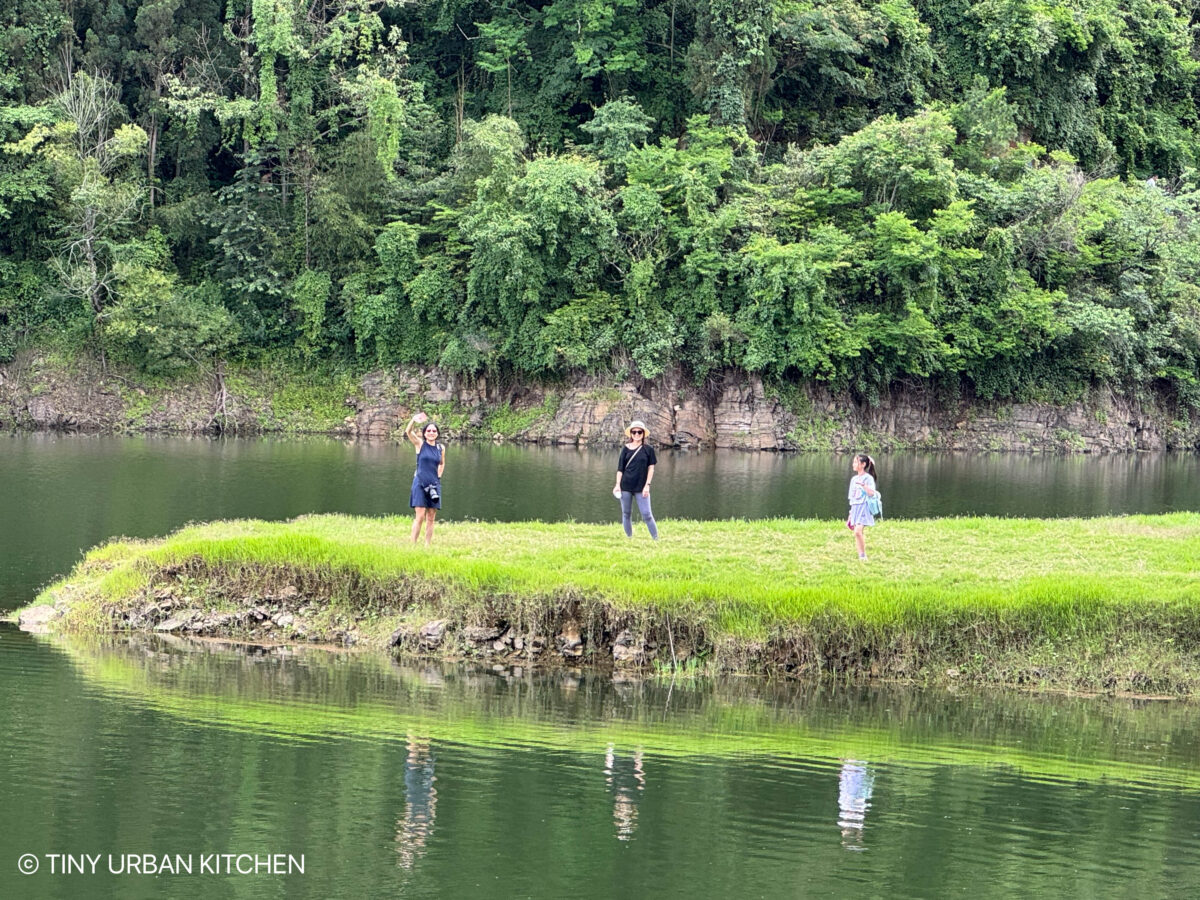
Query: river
column 451, row 781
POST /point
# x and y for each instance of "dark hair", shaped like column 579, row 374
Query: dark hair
column 428, row 425
column 867, row 462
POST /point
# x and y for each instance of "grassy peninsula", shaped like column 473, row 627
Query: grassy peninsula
column 1107, row 604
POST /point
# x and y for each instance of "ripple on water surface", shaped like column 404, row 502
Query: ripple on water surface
column 449, row 781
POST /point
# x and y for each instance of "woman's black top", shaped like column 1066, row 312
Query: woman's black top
column 633, row 466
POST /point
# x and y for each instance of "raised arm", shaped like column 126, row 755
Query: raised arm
column 411, row 432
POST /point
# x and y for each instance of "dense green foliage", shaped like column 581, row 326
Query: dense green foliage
column 995, row 196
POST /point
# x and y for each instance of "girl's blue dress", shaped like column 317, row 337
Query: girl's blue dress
column 860, row 514
column 428, row 460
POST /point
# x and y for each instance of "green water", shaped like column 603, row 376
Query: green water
column 449, row 781
column 444, row 781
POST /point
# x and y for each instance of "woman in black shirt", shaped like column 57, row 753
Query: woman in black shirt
column 635, row 471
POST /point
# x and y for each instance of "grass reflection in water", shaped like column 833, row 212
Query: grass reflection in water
column 316, row 694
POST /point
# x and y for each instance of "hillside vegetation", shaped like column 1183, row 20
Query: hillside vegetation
column 997, row 197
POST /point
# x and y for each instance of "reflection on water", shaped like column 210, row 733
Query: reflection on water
column 625, row 777
column 855, row 784
column 446, row 780
column 74, row 492
column 414, row 830
column 309, row 693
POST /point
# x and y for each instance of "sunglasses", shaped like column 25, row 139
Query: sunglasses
column 636, row 431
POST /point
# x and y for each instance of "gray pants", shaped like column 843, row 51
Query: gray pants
column 643, row 503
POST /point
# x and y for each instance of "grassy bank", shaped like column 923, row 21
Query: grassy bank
column 1103, row 604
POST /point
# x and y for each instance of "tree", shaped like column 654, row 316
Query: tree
column 505, row 42
column 95, row 160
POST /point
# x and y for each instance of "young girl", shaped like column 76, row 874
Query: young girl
column 862, row 485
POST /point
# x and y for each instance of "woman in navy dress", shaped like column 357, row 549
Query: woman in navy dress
column 425, row 498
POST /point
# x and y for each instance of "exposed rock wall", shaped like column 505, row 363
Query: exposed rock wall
column 732, row 409
column 735, row 410
column 41, row 394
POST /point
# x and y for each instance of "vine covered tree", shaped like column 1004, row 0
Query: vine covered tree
column 996, row 197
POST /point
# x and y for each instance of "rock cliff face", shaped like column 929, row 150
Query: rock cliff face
column 737, row 411
column 731, row 410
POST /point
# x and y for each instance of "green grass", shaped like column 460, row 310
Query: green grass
column 294, row 399
column 609, row 395
column 508, row 422
column 1077, row 595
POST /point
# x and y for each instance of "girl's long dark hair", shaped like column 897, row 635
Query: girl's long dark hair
column 868, row 463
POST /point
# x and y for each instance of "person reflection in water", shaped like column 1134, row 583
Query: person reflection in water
column 855, row 783
column 626, row 779
column 420, row 803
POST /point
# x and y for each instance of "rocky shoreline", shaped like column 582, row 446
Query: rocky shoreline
column 739, row 411
column 595, row 636
column 731, row 410
column 571, row 636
